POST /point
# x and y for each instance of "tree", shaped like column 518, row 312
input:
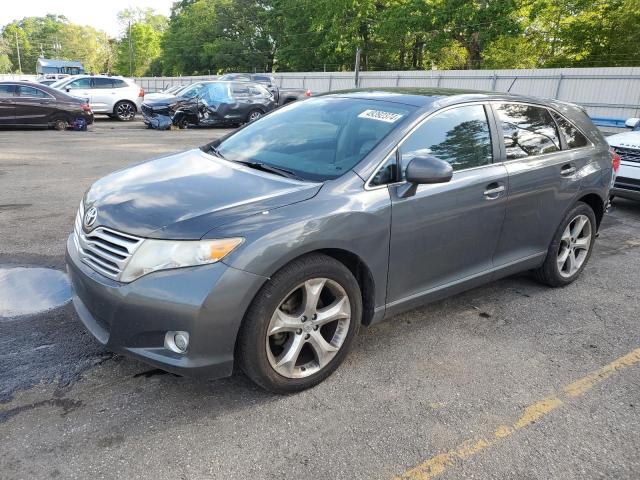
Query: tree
column 5, row 63
column 53, row 36
column 215, row 36
column 140, row 44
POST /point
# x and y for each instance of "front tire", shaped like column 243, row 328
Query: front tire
column 124, row 111
column 301, row 325
column 570, row 248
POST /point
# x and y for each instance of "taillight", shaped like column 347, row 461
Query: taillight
column 86, row 107
column 307, row 93
column 615, row 159
column 141, row 94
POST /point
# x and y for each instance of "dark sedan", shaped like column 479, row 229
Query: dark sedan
column 210, row 104
column 24, row 104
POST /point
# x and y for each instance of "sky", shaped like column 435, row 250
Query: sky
column 100, row 14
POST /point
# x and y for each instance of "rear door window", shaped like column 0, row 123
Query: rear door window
column 528, row 130
column 459, row 135
column 117, row 83
column 26, row 91
column 258, row 91
column 102, row 83
column 573, row 136
column 239, row 90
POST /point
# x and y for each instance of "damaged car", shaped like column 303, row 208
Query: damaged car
column 209, row 104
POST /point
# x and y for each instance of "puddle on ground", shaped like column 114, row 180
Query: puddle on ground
column 27, row 291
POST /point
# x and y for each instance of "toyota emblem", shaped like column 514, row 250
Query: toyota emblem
column 90, row 217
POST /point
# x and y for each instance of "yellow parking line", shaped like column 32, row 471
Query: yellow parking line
column 436, row 465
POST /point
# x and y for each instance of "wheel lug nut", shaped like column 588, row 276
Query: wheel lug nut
column 306, row 337
column 315, row 327
column 299, row 331
column 303, row 319
column 315, row 316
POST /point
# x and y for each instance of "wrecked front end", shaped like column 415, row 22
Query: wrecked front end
column 183, row 114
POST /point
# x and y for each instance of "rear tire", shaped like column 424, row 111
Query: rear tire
column 125, row 111
column 301, row 325
column 254, row 115
column 60, row 125
column 570, row 248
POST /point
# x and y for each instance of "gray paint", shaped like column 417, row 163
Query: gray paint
column 443, row 239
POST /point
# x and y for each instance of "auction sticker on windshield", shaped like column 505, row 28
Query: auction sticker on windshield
column 388, row 117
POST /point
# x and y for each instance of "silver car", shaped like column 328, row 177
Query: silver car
column 117, row 97
column 269, row 248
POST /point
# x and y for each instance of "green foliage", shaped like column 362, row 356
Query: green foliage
column 139, row 49
column 54, row 36
column 5, row 63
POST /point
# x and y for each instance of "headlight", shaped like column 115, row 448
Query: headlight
column 153, row 255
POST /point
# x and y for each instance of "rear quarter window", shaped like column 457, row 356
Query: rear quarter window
column 573, row 136
column 6, row 91
column 117, row 83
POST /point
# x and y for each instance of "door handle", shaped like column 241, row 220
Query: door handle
column 567, row 170
column 493, row 191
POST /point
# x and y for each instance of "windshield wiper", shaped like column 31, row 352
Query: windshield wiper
column 283, row 172
column 216, row 152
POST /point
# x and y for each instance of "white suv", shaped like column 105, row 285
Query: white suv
column 117, row 97
column 627, row 146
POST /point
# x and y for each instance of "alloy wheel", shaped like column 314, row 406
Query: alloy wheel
column 254, row 115
column 574, row 246
column 125, row 111
column 308, row 328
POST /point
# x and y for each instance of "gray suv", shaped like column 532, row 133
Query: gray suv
column 269, row 248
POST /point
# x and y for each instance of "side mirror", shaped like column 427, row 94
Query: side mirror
column 428, row 169
column 425, row 170
column 632, row 122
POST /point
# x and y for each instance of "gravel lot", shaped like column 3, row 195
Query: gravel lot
column 476, row 386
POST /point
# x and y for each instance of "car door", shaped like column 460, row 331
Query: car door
column 103, row 94
column 7, row 104
column 32, row 106
column 447, row 233
column 543, row 180
column 80, row 88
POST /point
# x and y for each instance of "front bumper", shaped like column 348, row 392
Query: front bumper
column 627, row 183
column 208, row 301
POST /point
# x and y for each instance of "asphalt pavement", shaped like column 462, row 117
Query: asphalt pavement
column 511, row 380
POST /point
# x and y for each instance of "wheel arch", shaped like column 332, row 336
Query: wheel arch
column 363, row 275
column 356, row 265
column 124, row 100
column 596, row 203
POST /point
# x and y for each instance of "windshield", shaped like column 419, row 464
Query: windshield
column 59, row 83
column 317, row 139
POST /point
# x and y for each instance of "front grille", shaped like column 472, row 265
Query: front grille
column 628, row 154
column 104, row 250
column 148, row 111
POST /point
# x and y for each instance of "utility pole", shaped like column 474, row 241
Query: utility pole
column 130, row 52
column 358, row 52
column 18, row 49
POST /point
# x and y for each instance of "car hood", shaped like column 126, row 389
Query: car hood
column 626, row 140
column 165, row 100
column 184, row 196
column 151, row 97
